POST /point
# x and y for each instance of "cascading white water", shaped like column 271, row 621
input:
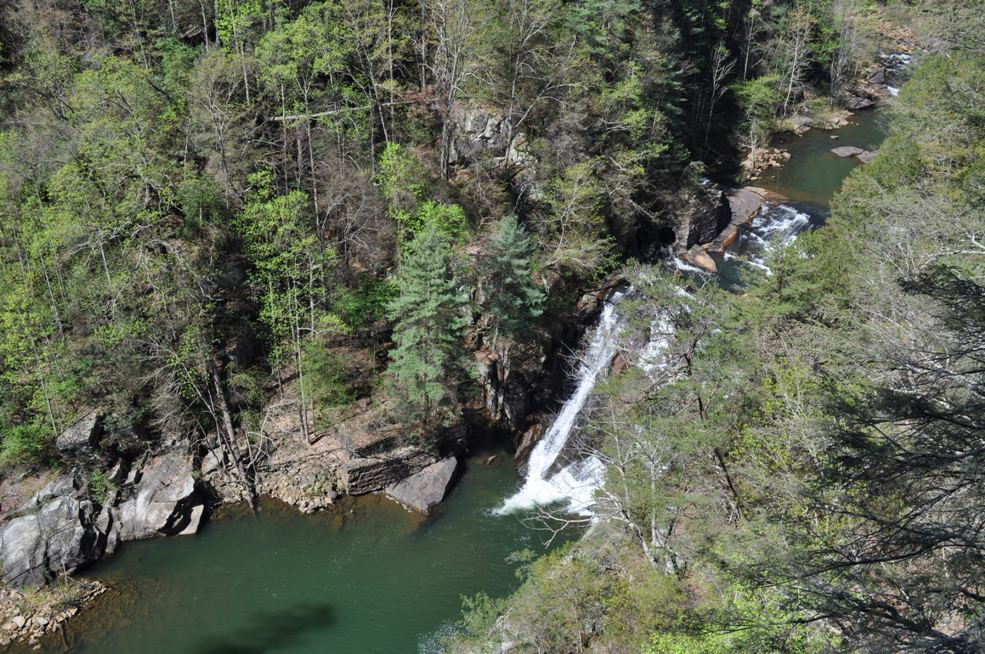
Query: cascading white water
column 775, row 227
column 576, row 482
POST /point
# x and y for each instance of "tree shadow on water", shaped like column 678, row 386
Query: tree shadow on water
column 270, row 631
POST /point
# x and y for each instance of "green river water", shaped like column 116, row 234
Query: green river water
column 813, row 174
column 366, row 576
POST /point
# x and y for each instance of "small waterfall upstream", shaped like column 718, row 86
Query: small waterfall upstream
column 577, row 481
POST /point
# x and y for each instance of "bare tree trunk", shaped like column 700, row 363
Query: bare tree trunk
column 227, row 436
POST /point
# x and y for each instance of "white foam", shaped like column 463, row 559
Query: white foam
column 576, row 482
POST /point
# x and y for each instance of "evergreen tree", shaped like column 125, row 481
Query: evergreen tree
column 429, row 320
column 512, row 299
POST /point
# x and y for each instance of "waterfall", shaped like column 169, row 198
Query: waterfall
column 576, row 482
column 573, row 483
column 775, row 227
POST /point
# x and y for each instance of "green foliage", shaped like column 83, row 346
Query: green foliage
column 101, row 487
column 512, row 300
column 25, row 444
column 448, row 220
column 327, row 380
column 365, row 304
column 429, row 315
column 402, row 180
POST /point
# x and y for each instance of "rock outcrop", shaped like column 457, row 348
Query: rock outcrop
column 163, row 500
column 80, row 436
column 376, row 472
column 423, row 490
column 56, row 532
column 476, row 131
column 701, row 215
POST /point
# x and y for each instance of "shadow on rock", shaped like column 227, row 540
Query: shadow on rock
column 272, row 631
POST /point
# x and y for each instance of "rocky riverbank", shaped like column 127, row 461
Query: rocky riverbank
column 29, row 616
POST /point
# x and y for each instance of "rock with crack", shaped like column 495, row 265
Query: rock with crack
column 376, row 472
column 422, row 491
column 53, row 534
column 163, row 499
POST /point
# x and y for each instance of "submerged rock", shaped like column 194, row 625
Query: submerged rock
column 426, row 488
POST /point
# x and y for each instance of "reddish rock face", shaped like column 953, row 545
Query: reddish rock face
column 696, row 256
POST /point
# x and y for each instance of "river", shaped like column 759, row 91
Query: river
column 814, row 174
column 366, row 576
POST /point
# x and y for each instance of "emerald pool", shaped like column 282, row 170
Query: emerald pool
column 814, row 174
column 364, row 577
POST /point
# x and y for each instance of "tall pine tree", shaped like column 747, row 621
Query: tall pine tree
column 511, row 299
column 428, row 311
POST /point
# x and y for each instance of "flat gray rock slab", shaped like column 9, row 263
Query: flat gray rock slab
column 426, row 488
column 866, row 156
column 846, row 151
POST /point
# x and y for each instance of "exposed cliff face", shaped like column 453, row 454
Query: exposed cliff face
column 66, row 525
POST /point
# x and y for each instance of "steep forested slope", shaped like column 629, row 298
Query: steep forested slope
column 804, row 475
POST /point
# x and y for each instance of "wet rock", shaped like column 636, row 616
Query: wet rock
column 423, row 490
column 163, row 499
column 696, row 256
column 82, row 435
column 846, row 151
column 744, row 203
column 527, row 443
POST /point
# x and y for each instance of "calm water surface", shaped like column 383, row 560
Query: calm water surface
column 365, row 577
column 813, row 175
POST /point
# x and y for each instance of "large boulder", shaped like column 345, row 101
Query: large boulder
column 376, row 472
column 475, row 131
column 82, row 435
column 55, row 533
column 867, row 156
column 425, row 489
column 163, row 499
column 699, row 214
